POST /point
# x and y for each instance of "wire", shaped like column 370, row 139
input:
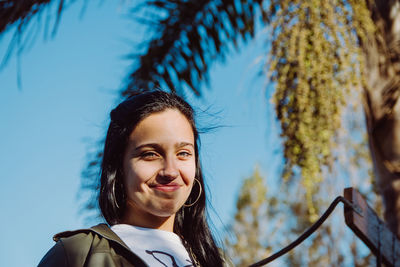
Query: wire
column 310, row 230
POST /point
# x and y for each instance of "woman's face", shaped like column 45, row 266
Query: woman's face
column 159, row 167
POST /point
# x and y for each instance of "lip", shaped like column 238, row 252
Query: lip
column 166, row 187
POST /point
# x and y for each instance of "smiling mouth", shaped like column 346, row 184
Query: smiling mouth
column 166, row 187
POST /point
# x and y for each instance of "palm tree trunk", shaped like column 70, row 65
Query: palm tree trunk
column 382, row 69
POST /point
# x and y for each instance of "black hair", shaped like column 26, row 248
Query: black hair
column 190, row 222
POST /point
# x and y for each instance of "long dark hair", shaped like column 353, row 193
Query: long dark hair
column 190, row 222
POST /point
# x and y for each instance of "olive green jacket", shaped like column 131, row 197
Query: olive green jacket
column 93, row 247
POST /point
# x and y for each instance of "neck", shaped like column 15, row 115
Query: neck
column 149, row 221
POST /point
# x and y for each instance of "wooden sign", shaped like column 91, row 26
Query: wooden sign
column 366, row 224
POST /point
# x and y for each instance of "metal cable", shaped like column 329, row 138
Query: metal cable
column 379, row 256
column 310, row 230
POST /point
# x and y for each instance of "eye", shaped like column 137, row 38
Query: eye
column 184, row 154
column 149, row 155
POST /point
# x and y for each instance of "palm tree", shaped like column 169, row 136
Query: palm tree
column 321, row 53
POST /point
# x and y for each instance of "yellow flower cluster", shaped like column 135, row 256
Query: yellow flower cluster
column 315, row 61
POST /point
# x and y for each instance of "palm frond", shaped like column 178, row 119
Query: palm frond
column 20, row 14
column 187, row 37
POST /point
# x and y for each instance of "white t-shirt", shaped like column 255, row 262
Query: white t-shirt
column 155, row 247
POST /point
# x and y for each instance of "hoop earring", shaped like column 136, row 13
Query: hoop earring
column 198, row 197
column 114, row 196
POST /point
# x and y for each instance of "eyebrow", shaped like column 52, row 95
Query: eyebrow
column 155, row 145
column 182, row 144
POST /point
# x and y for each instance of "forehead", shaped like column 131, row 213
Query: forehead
column 167, row 125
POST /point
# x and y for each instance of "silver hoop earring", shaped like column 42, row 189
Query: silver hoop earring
column 198, row 197
column 115, row 197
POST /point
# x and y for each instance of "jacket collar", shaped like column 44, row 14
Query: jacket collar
column 101, row 229
column 104, row 231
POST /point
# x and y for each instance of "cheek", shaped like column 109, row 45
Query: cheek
column 189, row 172
column 139, row 172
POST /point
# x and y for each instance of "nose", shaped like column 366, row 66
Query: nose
column 169, row 170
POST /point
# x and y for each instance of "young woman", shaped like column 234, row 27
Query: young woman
column 151, row 193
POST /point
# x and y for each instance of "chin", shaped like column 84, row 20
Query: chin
column 167, row 210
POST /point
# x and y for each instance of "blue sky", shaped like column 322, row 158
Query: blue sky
column 69, row 85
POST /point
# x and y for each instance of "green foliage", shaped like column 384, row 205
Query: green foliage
column 267, row 220
column 251, row 206
column 283, row 215
column 315, row 62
